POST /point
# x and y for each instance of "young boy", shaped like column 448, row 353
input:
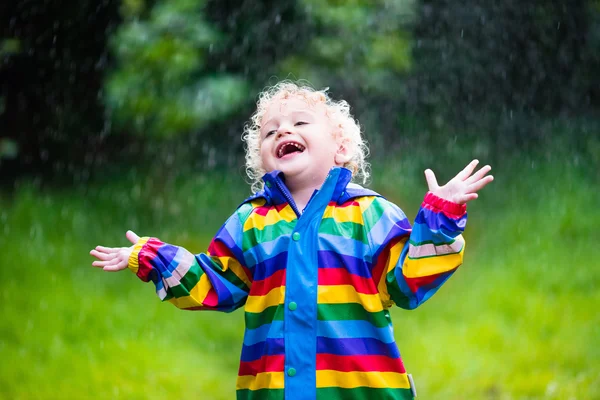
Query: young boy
column 315, row 260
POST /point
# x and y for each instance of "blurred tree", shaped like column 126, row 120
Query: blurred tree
column 52, row 56
column 160, row 85
column 361, row 50
column 506, row 61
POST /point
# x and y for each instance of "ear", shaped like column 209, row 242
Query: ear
column 344, row 153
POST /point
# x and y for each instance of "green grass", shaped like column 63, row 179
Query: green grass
column 519, row 320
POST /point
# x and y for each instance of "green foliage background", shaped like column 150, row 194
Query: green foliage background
column 128, row 114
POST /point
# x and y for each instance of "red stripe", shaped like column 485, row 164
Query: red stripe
column 341, row 276
column 344, row 205
column 263, row 364
column 416, row 283
column 219, row 249
column 211, row 300
column 380, row 267
column 264, row 286
column 359, row 363
column 147, row 253
column 264, row 210
column 448, row 208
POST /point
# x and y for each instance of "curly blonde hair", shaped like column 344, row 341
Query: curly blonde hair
column 337, row 111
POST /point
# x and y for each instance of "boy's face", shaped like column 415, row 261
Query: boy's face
column 297, row 139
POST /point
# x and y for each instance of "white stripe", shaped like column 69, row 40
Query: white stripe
column 429, row 249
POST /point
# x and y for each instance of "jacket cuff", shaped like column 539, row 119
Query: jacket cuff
column 449, row 208
column 133, row 263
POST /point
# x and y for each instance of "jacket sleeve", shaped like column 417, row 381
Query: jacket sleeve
column 411, row 263
column 215, row 280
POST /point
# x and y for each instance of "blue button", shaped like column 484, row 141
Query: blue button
column 292, row 306
column 296, row 236
column 291, row 371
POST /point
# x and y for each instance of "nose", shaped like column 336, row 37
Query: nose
column 284, row 129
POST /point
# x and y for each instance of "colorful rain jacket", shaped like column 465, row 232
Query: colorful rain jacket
column 315, row 286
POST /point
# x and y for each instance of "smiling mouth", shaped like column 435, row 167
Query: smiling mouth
column 289, row 148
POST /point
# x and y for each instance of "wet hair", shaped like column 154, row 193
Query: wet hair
column 338, row 112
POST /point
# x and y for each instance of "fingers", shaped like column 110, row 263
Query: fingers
column 114, row 261
column 480, row 184
column 117, row 267
column 103, row 249
column 103, row 255
column 431, row 180
column 465, row 198
column 468, row 170
column 479, row 174
column 133, row 238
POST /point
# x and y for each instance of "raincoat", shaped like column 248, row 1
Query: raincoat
column 315, row 286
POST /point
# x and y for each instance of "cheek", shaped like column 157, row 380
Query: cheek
column 265, row 155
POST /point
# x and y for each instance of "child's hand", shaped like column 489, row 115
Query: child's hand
column 114, row 258
column 464, row 186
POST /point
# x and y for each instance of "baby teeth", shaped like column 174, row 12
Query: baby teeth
column 298, row 146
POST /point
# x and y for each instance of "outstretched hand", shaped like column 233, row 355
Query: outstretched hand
column 114, row 258
column 464, row 186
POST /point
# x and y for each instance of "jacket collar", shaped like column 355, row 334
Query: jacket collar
column 275, row 192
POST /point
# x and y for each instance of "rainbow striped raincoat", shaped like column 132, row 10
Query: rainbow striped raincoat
column 315, row 286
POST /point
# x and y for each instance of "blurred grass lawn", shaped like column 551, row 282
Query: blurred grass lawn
column 519, row 320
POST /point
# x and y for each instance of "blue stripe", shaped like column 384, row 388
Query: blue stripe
column 263, row 251
column 439, row 221
column 328, row 329
column 354, row 330
column 363, row 346
column 344, row 246
column 270, row 347
column 422, row 233
column 354, row 265
column 274, row 330
column 266, row 268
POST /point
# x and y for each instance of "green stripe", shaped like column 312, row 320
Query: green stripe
column 261, row 394
column 192, row 277
column 352, row 312
column 435, row 255
column 396, row 294
column 331, row 393
column 374, row 212
column 254, row 236
column 346, row 229
column 190, row 280
column 228, row 275
column 269, row 314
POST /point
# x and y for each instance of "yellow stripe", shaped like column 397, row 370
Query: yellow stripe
column 392, row 261
column 133, row 263
column 197, row 295
column 258, row 304
column 263, row 380
column 416, row 268
column 257, row 221
column 344, row 214
column 235, row 267
column 349, row 380
column 365, row 202
column 341, row 294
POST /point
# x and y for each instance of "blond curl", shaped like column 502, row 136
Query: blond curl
column 338, row 112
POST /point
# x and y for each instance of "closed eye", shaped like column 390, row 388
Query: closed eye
column 270, row 133
column 301, row 123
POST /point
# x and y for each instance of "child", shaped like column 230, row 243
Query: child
column 315, row 260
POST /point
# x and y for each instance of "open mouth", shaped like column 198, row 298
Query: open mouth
column 288, row 148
